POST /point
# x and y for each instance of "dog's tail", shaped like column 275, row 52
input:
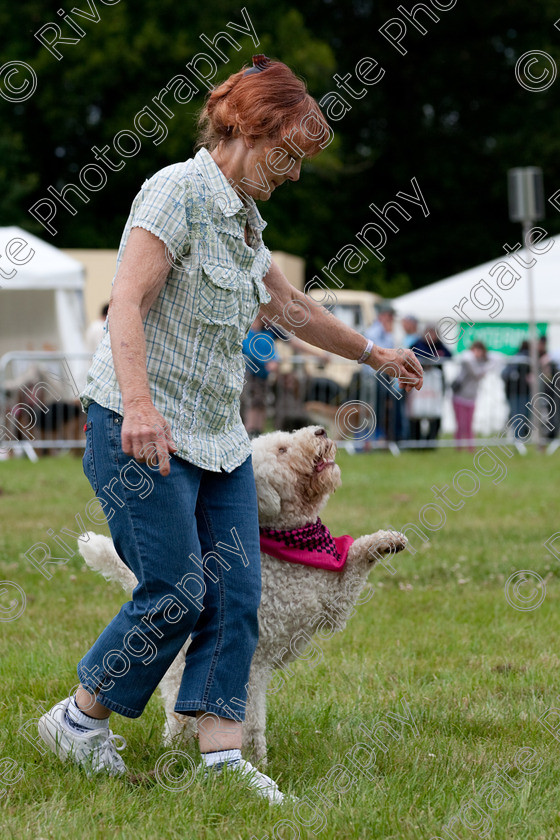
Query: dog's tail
column 100, row 555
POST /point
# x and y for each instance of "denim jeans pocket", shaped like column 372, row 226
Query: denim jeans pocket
column 113, row 430
column 87, row 461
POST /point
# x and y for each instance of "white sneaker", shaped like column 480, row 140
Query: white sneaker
column 95, row 750
column 263, row 785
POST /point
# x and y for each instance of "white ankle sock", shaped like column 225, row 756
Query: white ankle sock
column 79, row 721
column 216, row 760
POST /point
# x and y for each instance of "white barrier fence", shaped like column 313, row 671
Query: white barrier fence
column 39, row 406
column 40, row 411
column 384, row 417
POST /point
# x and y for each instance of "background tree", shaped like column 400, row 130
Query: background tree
column 450, row 113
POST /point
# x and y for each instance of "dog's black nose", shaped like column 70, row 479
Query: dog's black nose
column 320, row 432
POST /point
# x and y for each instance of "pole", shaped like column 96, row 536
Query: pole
column 534, row 359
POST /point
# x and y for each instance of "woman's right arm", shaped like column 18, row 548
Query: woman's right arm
column 142, row 272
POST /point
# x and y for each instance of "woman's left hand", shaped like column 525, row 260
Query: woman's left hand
column 400, row 363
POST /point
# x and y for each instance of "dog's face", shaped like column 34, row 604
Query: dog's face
column 295, row 473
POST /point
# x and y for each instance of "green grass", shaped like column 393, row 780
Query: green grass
column 476, row 673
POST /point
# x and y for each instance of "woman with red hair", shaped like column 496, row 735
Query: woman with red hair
column 166, row 453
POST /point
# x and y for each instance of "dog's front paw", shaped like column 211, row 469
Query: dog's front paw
column 374, row 547
column 386, row 542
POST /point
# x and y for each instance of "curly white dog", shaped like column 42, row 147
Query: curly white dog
column 317, row 589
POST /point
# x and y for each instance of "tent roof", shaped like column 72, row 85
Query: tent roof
column 48, row 268
column 436, row 301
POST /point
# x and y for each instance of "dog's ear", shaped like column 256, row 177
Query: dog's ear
column 269, row 501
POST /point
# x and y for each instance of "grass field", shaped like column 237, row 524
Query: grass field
column 476, row 674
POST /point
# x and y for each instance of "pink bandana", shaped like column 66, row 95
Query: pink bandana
column 312, row 545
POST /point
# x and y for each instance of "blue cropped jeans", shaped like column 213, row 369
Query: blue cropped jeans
column 192, row 540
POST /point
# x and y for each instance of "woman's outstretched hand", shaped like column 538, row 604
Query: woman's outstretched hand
column 401, row 364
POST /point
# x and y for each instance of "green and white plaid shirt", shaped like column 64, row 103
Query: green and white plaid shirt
column 195, row 328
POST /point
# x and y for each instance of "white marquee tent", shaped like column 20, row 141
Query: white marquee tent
column 437, row 300
column 41, row 297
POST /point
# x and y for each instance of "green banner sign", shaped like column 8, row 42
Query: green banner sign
column 504, row 338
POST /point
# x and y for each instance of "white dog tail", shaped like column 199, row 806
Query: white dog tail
column 100, row 555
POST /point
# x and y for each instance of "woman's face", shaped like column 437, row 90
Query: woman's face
column 259, row 166
column 267, row 165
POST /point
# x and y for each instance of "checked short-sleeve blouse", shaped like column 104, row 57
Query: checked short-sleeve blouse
column 195, row 328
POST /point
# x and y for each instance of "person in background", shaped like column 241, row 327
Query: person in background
column 261, row 359
column 554, row 362
column 96, row 329
column 409, row 323
column 424, row 415
column 516, row 377
column 548, row 368
column 388, row 401
column 474, row 366
column 431, row 347
column 381, row 331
